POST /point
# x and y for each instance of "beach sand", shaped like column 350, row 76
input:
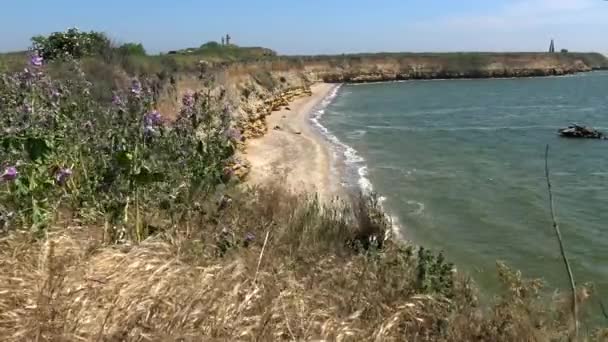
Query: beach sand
column 294, row 155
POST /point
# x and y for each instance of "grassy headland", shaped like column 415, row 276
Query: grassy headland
column 122, row 217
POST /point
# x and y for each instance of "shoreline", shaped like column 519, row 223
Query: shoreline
column 293, row 152
column 303, row 156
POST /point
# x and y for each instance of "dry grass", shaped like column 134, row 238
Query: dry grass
column 300, row 279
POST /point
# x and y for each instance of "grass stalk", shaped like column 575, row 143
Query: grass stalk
column 561, row 246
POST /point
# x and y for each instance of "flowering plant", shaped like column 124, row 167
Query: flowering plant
column 60, row 148
column 72, row 43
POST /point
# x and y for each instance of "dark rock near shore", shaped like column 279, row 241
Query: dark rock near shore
column 578, row 131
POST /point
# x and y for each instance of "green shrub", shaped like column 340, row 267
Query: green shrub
column 132, row 49
column 211, row 45
column 71, row 44
column 75, row 153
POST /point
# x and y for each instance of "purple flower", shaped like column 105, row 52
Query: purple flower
column 116, row 100
column 27, row 108
column 153, row 119
column 55, row 93
column 36, row 60
column 136, row 87
column 9, row 174
column 62, row 175
column 188, row 99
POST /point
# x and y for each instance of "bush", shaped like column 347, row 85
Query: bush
column 132, row 49
column 61, row 149
column 71, row 44
column 211, row 45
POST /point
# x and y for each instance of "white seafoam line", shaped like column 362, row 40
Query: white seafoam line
column 352, row 158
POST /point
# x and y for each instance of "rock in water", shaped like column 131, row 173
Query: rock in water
column 578, row 131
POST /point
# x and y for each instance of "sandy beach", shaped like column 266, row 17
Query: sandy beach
column 293, row 152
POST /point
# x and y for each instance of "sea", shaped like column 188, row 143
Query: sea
column 460, row 167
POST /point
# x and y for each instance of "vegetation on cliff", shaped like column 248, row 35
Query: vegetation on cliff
column 119, row 221
column 214, row 51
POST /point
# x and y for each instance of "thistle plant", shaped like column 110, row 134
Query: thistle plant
column 60, row 148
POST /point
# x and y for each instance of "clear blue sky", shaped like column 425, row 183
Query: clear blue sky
column 321, row 26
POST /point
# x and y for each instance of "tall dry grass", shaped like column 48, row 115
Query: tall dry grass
column 260, row 265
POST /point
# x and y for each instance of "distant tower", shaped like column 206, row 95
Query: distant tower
column 228, row 39
column 223, row 41
column 552, row 47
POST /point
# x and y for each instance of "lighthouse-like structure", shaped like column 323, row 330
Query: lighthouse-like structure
column 552, row 47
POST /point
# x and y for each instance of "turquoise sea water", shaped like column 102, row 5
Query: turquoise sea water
column 461, row 166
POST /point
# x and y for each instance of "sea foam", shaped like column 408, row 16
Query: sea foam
column 352, row 159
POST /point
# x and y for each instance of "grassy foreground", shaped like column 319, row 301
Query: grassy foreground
column 122, row 223
column 264, row 266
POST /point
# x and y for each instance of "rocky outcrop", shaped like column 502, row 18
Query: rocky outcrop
column 578, row 131
column 253, row 124
column 237, row 168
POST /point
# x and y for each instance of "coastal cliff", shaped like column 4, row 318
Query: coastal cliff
column 256, row 88
column 259, row 87
column 373, row 68
column 252, row 90
column 392, row 67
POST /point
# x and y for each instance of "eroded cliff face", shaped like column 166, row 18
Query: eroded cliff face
column 254, row 93
column 253, row 90
column 248, row 93
column 391, row 67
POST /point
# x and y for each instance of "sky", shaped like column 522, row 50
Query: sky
column 320, row 26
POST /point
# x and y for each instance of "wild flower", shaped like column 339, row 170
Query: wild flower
column 36, row 60
column 62, row 175
column 9, row 174
column 116, row 100
column 136, row 87
column 153, row 118
column 188, row 99
column 107, row 144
